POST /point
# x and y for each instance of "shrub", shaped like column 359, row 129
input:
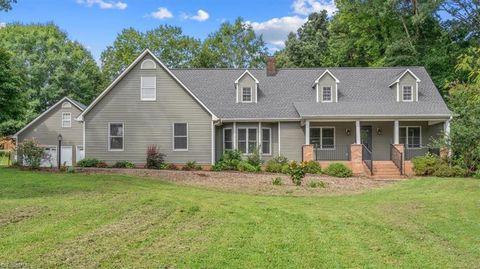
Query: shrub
column 277, row 164
column 101, row 164
column 219, row 166
column 71, row 170
column 338, row 170
column 32, row 153
column 170, row 166
column 191, row 165
column 313, row 167
column 317, row 184
column 443, row 170
column 228, row 161
column 245, row 166
column 254, row 158
column 154, row 157
column 426, row 165
column 277, row 181
column 286, row 169
column 123, row 164
column 88, row 163
column 296, row 172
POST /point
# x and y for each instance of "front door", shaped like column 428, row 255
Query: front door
column 366, row 136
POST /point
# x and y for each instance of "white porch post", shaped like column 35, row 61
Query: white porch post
column 213, row 142
column 358, row 140
column 446, row 130
column 260, row 138
column 234, row 135
column 279, row 141
column 396, row 132
column 307, row 132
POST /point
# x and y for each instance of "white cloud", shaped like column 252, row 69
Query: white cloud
column 3, row 24
column 305, row 7
column 276, row 30
column 104, row 4
column 162, row 13
column 201, row 15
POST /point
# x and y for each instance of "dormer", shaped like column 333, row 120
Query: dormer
column 326, row 87
column 406, row 86
column 246, row 87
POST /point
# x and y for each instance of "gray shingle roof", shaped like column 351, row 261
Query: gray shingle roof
column 82, row 106
column 289, row 94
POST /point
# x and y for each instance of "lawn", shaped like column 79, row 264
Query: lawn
column 85, row 221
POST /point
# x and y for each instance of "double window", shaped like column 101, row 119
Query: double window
column 148, row 90
column 180, row 136
column 116, row 136
column 407, row 93
column 327, row 94
column 66, row 119
column 247, row 94
column 411, row 136
column 247, row 140
column 323, row 137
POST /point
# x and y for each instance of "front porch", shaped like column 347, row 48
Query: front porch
column 372, row 147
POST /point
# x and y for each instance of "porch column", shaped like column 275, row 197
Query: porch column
column 446, row 130
column 234, row 135
column 307, row 132
column 358, row 140
column 260, row 138
column 396, row 132
column 213, row 142
column 279, row 140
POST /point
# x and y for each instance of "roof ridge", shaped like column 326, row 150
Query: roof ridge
column 302, row 68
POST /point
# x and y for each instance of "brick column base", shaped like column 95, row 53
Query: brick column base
column 307, row 153
column 444, row 152
column 357, row 162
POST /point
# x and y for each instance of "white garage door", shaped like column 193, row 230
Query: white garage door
column 66, row 157
column 51, row 157
column 80, row 154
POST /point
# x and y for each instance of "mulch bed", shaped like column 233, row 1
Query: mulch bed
column 259, row 183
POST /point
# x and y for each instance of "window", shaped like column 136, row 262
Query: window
column 227, row 139
column 247, row 94
column 323, row 137
column 66, row 120
column 148, row 90
column 267, row 141
column 327, row 94
column 148, row 64
column 247, row 140
column 66, row 105
column 407, row 93
column 180, row 136
column 115, row 136
column 411, row 137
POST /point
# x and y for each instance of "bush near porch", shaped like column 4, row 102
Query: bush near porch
column 433, row 165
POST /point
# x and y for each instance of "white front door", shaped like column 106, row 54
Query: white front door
column 80, row 154
column 66, row 157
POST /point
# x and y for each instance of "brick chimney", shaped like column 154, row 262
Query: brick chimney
column 271, row 66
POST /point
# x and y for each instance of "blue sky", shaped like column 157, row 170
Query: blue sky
column 96, row 23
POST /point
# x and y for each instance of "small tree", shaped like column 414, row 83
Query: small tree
column 32, row 153
column 154, row 157
column 296, row 172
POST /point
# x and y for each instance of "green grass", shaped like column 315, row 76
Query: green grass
column 85, row 221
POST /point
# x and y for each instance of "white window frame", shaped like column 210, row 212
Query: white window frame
column 321, row 136
column 406, row 136
column 331, row 94
column 123, row 136
column 247, row 149
column 69, row 121
column 154, row 88
column 66, row 105
column 173, row 136
column 411, row 93
column 148, row 61
column 232, row 139
column 251, row 94
column 270, row 141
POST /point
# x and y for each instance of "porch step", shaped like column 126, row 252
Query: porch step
column 385, row 169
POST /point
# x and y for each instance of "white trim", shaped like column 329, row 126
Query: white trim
column 260, row 119
column 336, row 92
column 173, row 136
column 251, row 95
column 358, row 139
column 411, row 94
column 396, row 132
column 321, row 136
column 323, row 74
column 316, row 90
column 123, row 135
column 307, row 132
column 69, row 121
column 402, row 75
column 398, row 92
column 15, row 136
column 259, row 138
column 243, row 74
column 270, row 141
column 247, row 151
column 406, row 137
column 223, row 140
column 125, row 72
column 416, row 91
column 331, row 94
column 154, row 88
column 211, row 141
column 378, row 117
column 279, row 136
column 234, row 135
column 148, row 61
column 84, row 148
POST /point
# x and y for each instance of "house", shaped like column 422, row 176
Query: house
column 59, row 119
column 373, row 119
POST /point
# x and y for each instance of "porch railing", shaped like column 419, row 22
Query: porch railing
column 411, row 153
column 397, row 158
column 335, row 153
column 367, row 158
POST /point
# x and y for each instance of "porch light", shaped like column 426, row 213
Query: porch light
column 379, row 131
column 348, row 131
column 59, row 137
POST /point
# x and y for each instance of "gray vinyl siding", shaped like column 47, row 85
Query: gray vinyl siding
column 247, row 81
column 47, row 129
column 327, row 81
column 381, row 142
column 342, row 140
column 408, row 80
column 148, row 122
column 292, row 138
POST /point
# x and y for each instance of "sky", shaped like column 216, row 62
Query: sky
column 96, row 23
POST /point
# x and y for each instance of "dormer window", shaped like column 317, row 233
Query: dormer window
column 246, row 94
column 407, row 93
column 148, row 64
column 407, row 86
column 66, row 105
column 327, row 94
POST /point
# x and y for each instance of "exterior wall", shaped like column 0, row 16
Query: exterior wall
column 408, row 80
column 148, row 122
column 247, row 81
column 292, row 137
column 381, row 143
column 342, row 140
column 327, row 81
column 47, row 129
